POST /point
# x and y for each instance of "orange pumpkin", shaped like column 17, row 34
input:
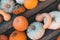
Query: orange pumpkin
column 58, row 38
column 18, row 10
column 20, row 23
column 30, row 4
column 16, row 35
column 3, row 37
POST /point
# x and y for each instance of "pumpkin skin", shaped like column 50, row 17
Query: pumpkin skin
column 30, row 4
column 56, row 20
column 3, row 37
column 21, row 2
column 16, row 35
column 35, row 30
column 58, row 38
column 7, row 5
column 18, row 9
column 20, row 23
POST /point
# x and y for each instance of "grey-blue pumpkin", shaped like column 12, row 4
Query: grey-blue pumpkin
column 7, row 5
column 35, row 30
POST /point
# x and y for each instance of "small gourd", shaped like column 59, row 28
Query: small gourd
column 41, row 17
column 35, row 30
column 5, row 15
column 18, row 9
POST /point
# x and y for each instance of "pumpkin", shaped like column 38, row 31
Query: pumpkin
column 5, row 15
column 3, row 37
column 58, row 38
column 35, row 30
column 30, row 4
column 21, row 2
column 18, row 9
column 17, row 35
column 20, row 23
column 41, row 17
column 7, row 5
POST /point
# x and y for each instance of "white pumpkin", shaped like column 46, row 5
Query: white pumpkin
column 21, row 2
column 35, row 30
column 7, row 5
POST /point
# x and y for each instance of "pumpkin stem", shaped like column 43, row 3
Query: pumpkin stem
column 54, row 19
column 7, row 5
column 14, row 34
column 33, row 27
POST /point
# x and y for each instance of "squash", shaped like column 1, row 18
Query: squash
column 3, row 37
column 20, row 23
column 30, row 4
column 18, row 9
column 17, row 35
column 5, row 15
column 7, row 5
column 35, row 30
